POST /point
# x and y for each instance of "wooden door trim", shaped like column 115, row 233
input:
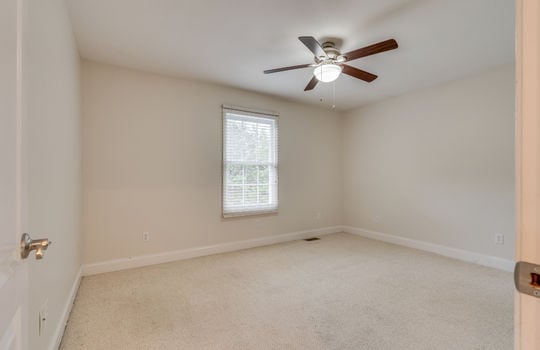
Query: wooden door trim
column 527, row 308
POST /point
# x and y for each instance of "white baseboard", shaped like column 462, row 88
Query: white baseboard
column 145, row 260
column 477, row 258
column 59, row 331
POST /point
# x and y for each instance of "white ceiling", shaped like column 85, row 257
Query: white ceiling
column 231, row 42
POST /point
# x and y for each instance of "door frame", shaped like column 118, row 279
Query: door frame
column 13, row 270
column 527, row 308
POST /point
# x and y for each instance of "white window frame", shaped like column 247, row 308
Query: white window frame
column 238, row 112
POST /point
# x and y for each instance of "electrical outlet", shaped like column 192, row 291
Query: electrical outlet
column 318, row 215
column 42, row 317
column 499, row 238
column 376, row 219
column 146, row 236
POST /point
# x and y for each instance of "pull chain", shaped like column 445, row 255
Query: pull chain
column 334, row 95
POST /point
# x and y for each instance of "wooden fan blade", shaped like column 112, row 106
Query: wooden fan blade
column 287, row 68
column 313, row 45
column 386, row 45
column 311, row 84
column 358, row 73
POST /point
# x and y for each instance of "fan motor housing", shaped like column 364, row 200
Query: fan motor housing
column 330, row 49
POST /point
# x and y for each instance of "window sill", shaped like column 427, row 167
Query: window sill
column 246, row 214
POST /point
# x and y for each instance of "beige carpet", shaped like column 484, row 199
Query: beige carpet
column 341, row 292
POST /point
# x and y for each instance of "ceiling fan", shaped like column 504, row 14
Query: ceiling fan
column 330, row 62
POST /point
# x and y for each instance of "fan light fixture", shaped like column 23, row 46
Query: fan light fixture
column 327, row 72
column 329, row 62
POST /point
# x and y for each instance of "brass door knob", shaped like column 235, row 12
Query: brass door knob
column 28, row 244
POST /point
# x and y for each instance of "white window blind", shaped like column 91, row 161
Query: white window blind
column 250, row 163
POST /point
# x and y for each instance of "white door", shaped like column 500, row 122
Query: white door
column 527, row 308
column 13, row 272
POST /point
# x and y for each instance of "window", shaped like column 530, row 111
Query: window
column 250, row 162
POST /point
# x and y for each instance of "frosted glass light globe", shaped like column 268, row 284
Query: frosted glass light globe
column 327, row 72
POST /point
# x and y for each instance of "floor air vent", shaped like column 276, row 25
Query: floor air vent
column 311, row 239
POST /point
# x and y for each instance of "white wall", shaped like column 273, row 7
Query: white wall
column 52, row 157
column 152, row 162
column 436, row 165
column 433, row 165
